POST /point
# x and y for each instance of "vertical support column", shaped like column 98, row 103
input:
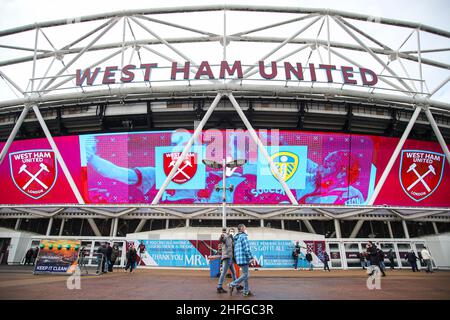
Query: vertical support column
column 394, row 156
column 49, row 227
column 337, row 227
column 61, row 229
column 282, row 224
column 261, row 223
column 13, row 133
column 435, row 227
column 391, row 234
column 60, row 159
column 438, row 134
column 186, row 149
column 262, row 148
column 17, row 224
column 167, row 223
column 405, row 229
column 187, row 222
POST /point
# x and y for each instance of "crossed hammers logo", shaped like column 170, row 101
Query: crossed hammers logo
column 187, row 163
column 420, row 178
column 34, row 177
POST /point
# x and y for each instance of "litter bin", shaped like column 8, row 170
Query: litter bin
column 214, row 268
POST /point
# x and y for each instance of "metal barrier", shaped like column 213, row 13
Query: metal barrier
column 86, row 260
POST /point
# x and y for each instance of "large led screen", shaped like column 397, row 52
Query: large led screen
column 319, row 168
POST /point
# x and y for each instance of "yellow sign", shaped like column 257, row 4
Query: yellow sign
column 286, row 164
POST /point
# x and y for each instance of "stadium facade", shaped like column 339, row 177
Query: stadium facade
column 112, row 114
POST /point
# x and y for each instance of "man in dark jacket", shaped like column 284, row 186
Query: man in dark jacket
column 381, row 264
column 296, row 254
column 131, row 258
column 373, row 257
column 309, row 258
column 28, row 256
column 412, row 259
column 108, row 257
column 227, row 242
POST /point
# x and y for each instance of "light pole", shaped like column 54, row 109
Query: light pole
column 224, row 188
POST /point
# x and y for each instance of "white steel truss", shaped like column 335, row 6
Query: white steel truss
column 50, row 87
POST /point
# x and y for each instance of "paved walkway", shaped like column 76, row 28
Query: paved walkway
column 19, row 283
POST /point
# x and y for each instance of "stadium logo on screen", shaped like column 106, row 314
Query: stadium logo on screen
column 420, row 173
column 186, row 170
column 286, row 163
column 34, row 172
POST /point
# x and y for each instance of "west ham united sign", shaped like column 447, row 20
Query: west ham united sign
column 420, row 173
column 34, row 172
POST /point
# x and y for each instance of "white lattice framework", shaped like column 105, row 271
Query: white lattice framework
column 38, row 63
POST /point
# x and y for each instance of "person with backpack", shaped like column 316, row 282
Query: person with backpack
column 227, row 242
column 131, row 258
column 244, row 258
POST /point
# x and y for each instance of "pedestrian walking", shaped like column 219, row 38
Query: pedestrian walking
column 362, row 260
column 227, row 243
column 309, row 258
column 28, row 256
column 131, row 258
column 427, row 259
column 412, row 260
column 296, row 254
column 113, row 258
column 108, row 257
column 381, row 264
column 391, row 257
column 373, row 259
column 325, row 260
column 244, row 258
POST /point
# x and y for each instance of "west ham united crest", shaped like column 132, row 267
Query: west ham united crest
column 187, row 169
column 420, row 173
column 34, row 172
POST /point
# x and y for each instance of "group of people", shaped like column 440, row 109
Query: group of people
column 296, row 253
column 235, row 249
column 107, row 256
column 375, row 256
column 31, row 255
column 424, row 257
column 373, row 259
